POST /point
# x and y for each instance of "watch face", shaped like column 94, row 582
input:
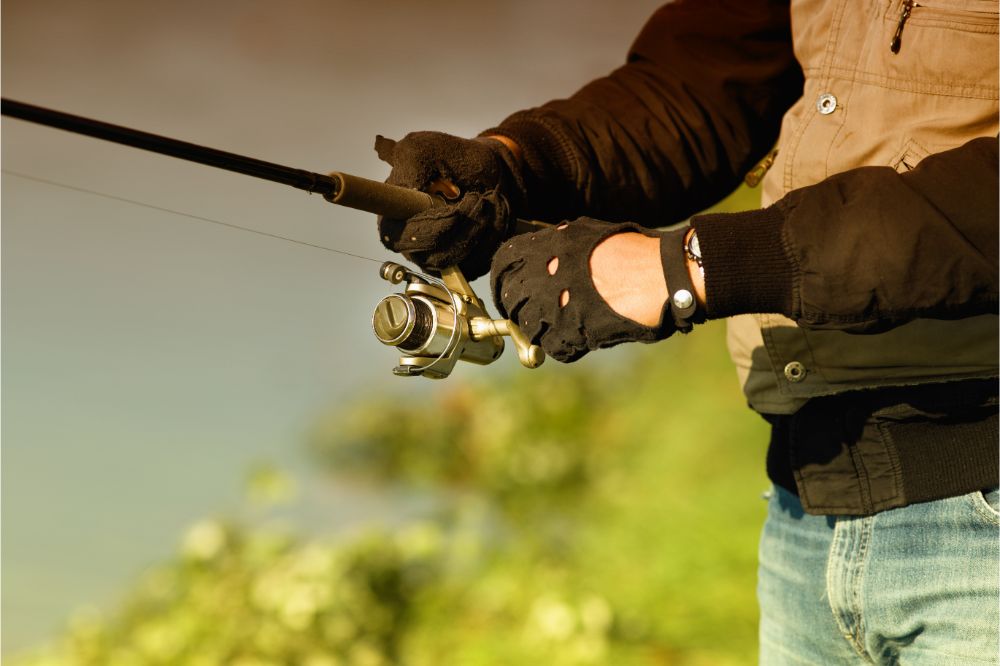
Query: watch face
column 693, row 246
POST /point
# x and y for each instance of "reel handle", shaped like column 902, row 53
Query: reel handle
column 530, row 356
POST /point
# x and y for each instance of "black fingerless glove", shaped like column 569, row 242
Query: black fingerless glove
column 525, row 292
column 467, row 232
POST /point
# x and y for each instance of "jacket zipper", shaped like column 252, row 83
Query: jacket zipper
column 755, row 175
column 897, row 39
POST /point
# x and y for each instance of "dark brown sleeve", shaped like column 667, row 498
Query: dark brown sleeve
column 698, row 102
column 867, row 249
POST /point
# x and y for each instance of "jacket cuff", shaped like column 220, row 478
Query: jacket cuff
column 548, row 160
column 748, row 268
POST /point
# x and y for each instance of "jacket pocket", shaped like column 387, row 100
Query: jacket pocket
column 940, row 47
column 970, row 15
column 909, row 157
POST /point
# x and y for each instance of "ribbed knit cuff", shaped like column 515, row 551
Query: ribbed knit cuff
column 548, row 163
column 747, row 267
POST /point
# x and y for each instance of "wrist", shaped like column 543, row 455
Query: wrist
column 695, row 266
column 628, row 274
column 548, row 161
column 510, row 144
column 683, row 307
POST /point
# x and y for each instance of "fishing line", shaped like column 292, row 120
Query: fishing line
column 191, row 216
column 452, row 324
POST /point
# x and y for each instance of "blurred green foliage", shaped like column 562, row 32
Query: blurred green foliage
column 601, row 513
column 616, row 507
column 259, row 598
column 586, row 515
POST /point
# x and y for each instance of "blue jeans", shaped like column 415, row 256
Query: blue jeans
column 917, row 585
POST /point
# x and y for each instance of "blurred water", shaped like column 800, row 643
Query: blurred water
column 149, row 359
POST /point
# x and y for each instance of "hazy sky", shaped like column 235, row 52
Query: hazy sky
column 148, row 358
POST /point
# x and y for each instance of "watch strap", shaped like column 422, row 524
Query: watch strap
column 681, row 298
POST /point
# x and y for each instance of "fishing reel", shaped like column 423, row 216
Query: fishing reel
column 438, row 321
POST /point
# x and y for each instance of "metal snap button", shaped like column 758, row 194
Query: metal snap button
column 826, row 104
column 795, row 372
column 683, row 299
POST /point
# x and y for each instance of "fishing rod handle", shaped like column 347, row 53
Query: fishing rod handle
column 380, row 198
column 394, row 201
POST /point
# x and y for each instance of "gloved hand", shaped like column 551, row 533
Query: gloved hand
column 562, row 311
column 468, row 231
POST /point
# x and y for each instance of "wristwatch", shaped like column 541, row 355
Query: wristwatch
column 692, row 250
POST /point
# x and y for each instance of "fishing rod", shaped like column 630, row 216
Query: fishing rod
column 437, row 321
column 340, row 188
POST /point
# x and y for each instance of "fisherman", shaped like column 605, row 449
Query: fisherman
column 861, row 298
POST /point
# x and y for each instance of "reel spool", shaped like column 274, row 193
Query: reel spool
column 438, row 321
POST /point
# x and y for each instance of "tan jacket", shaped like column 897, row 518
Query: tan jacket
column 864, row 105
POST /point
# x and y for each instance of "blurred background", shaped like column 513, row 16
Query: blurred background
column 205, row 457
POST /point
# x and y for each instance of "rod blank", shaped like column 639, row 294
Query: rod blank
column 340, row 188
